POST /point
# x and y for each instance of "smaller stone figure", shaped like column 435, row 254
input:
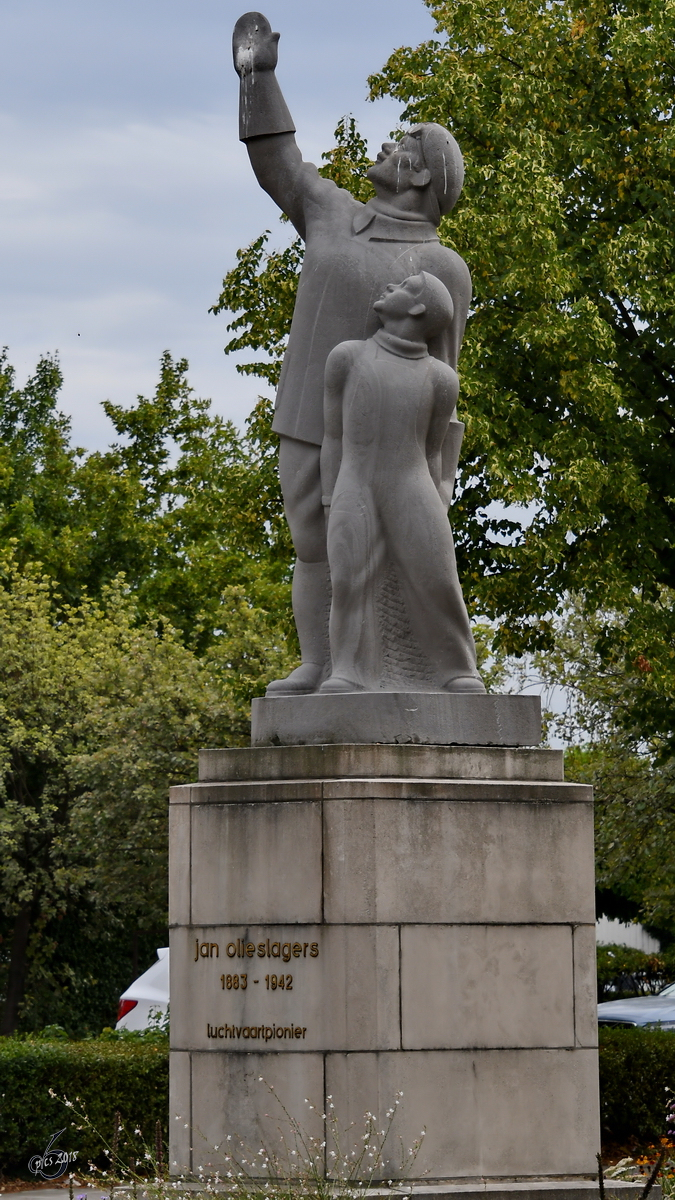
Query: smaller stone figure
column 398, row 619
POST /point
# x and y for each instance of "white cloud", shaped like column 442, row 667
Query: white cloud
column 124, row 192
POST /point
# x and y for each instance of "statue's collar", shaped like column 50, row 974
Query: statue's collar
column 383, row 227
column 400, row 346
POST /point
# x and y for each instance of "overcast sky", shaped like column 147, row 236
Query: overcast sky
column 124, row 191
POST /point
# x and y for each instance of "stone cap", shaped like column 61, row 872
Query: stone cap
column 397, row 718
column 380, row 762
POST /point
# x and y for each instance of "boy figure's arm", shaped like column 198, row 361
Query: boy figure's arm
column 446, row 391
column 338, row 366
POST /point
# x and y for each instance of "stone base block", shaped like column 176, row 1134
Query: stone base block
column 351, row 922
column 429, row 718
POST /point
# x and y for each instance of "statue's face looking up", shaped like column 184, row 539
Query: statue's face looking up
column 419, row 307
column 398, row 167
column 398, row 299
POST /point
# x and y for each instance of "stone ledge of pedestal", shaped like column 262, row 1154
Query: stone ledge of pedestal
column 425, row 718
column 279, row 791
column 380, row 761
column 564, row 1188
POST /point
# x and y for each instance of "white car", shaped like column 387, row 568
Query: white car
column 147, row 999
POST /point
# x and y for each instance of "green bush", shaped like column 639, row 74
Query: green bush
column 100, row 1076
column 624, row 971
column 636, row 1068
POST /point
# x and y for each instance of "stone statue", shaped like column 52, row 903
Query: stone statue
column 387, row 407
column 353, row 251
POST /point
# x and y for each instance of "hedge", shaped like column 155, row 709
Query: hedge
column 636, row 1068
column 132, row 1076
column 129, row 1076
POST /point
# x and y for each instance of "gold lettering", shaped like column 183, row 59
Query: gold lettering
column 214, row 946
column 286, row 951
column 304, row 1030
column 204, row 950
column 250, row 949
column 314, row 950
column 231, row 950
column 297, row 949
column 276, row 949
column 304, row 950
column 261, row 949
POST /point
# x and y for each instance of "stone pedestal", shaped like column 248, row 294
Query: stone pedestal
column 426, row 718
column 430, row 911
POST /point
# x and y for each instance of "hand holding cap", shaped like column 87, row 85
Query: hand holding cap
column 254, row 46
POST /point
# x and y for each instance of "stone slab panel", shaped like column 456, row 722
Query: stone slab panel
column 444, row 862
column 430, row 718
column 234, row 1094
column 179, row 864
column 256, row 862
column 505, row 1113
column 380, row 761
column 180, row 1112
column 468, row 986
column 531, row 1189
column 585, row 986
column 340, row 988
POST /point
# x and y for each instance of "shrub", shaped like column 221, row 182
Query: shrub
column 129, row 1075
column 637, row 1066
column 624, row 971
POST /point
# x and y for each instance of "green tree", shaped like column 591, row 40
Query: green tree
column 564, row 113
column 183, row 504
column 99, row 714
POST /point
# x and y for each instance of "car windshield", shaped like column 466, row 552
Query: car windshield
column 668, row 991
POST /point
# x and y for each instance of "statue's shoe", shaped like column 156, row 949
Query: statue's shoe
column 465, row 683
column 304, row 680
column 336, row 684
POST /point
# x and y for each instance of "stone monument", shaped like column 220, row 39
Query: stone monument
column 393, row 889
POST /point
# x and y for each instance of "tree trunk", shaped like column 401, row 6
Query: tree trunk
column 18, row 968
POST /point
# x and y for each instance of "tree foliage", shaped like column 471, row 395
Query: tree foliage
column 144, row 599
column 565, row 116
column 99, row 714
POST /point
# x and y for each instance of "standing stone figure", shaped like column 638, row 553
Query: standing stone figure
column 353, row 251
column 387, row 407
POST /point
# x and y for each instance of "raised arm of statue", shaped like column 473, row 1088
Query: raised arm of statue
column 265, row 124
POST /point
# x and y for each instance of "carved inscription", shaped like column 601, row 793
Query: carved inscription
column 266, row 1033
column 241, row 949
column 253, row 982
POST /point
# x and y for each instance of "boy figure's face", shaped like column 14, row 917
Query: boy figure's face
column 400, row 299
